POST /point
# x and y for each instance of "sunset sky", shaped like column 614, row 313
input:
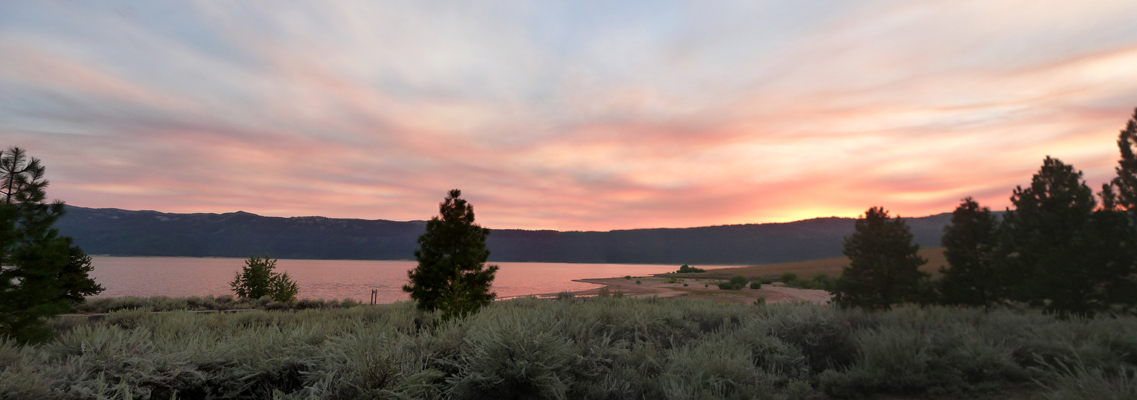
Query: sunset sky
column 572, row 116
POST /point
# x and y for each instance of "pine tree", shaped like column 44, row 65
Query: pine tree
column 41, row 273
column 1126, row 180
column 1116, row 222
column 969, row 246
column 1049, row 239
column 451, row 274
column 883, row 264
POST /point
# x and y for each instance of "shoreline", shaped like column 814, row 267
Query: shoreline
column 697, row 288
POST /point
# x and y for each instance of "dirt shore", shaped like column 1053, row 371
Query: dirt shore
column 701, row 289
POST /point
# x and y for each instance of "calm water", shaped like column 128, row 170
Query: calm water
column 333, row 279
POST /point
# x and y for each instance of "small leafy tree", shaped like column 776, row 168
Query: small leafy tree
column 41, row 273
column 969, row 246
column 258, row 279
column 883, row 264
column 451, row 274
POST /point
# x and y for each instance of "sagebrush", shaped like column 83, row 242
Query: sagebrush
column 592, row 348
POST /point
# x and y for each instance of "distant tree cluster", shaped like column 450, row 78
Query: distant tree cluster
column 1055, row 248
column 41, row 273
column 687, row 269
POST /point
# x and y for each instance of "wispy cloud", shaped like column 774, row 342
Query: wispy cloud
column 563, row 115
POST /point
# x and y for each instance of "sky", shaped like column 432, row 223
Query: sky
column 573, row 115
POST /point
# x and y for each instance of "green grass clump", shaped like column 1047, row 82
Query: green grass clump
column 603, row 347
column 756, row 284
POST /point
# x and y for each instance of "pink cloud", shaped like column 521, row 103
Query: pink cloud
column 356, row 111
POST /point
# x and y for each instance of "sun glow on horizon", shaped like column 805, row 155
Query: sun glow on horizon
column 564, row 116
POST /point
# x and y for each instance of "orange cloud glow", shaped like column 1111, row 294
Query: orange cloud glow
column 570, row 117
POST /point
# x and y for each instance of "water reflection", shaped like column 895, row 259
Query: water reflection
column 328, row 279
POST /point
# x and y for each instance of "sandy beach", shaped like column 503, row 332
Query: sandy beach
column 698, row 289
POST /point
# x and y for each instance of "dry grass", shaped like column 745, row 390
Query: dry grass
column 806, row 269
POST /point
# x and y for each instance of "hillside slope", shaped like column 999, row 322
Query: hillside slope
column 241, row 234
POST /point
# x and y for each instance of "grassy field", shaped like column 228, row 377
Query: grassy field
column 594, row 348
column 806, row 269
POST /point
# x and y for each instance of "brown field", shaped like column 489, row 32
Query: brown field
column 806, row 269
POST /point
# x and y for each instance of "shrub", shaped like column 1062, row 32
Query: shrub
column 684, row 284
column 788, row 277
column 767, row 281
column 735, row 283
column 618, row 294
column 1079, row 382
column 257, row 279
column 603, row 292
column 756, row 285
column 627, row 277
column 566, row 295
column 603, row 348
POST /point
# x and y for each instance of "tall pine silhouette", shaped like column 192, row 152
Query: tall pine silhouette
column 969, row 246
column 41, row 273
column 451, row 274
column 883, row 264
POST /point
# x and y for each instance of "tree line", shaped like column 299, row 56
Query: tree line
column 1055, row 248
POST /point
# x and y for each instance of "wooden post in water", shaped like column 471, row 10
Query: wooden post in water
column 374, row 296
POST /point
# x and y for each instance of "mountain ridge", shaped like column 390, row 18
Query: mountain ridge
column 118, row 232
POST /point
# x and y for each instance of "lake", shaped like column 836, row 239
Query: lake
column 333, row 279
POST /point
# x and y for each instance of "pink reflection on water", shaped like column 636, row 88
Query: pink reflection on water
column 333, row 279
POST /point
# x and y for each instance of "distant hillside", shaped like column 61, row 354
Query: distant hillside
column 241, row 234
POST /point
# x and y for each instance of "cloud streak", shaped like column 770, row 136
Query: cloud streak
column 563, row 115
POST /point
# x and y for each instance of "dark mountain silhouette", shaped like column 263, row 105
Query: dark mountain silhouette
column 240, row 234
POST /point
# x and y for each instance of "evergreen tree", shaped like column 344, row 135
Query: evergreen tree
column 41, row 273
column 451, row 274
column 883, row 264
column 1116, row 222
column 969, row 246
column 1110, row 253
column 1052, row 243
column 1126, row 180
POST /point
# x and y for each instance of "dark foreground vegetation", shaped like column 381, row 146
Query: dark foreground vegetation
column 204, row 303
column 598, row 348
